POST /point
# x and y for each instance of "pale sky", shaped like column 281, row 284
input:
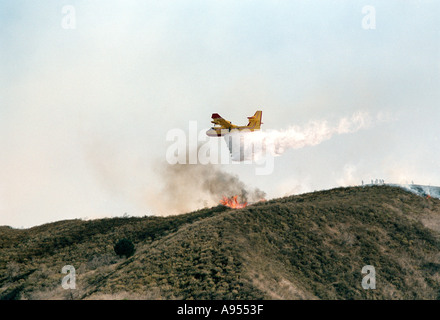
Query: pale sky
column 84, row 112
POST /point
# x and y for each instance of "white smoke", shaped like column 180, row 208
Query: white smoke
column 421, row 190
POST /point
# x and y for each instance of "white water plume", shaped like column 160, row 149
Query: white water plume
column 259, row 144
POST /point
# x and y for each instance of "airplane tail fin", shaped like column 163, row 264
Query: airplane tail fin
column 255, row 120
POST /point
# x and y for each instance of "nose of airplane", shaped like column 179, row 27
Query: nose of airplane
column 211, row 132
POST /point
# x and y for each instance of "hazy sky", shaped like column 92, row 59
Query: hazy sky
column 84, row 112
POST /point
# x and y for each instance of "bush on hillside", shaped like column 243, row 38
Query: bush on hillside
column 124, row 247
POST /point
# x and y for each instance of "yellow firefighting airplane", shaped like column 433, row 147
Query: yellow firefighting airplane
column 223, row 127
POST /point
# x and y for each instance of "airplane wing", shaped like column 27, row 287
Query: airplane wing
column 217, row 119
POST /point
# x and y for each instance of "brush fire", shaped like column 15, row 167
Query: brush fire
column 232, row 202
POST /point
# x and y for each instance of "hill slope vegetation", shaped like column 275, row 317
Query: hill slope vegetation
column 310, row 246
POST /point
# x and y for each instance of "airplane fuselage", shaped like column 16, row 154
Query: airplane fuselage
column 219, row 132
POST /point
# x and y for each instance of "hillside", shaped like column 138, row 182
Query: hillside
column 310, row 246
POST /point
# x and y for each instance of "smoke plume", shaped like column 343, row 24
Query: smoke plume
column 194, row 186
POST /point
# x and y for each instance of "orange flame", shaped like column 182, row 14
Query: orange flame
column 232, row 202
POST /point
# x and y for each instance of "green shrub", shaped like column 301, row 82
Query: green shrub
column 124, row 247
